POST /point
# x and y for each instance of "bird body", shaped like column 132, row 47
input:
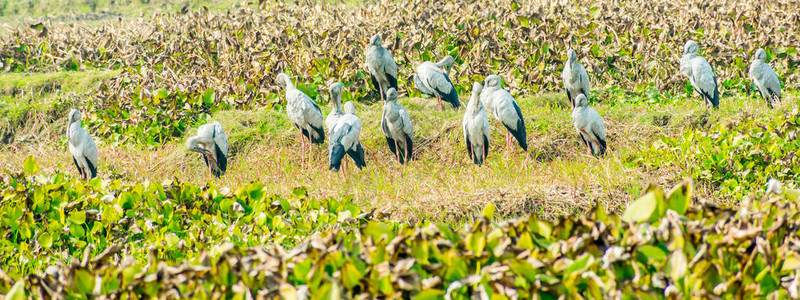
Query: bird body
column 336, row 98
column 397, row 127
column 576, row 80
column 476, row 127
column 506, row 110
column 765, row 78
column 303, row 111
column 81, row 146
column 212, row 144
column 589, row 125
column 700, row 74
column 432, row 80
column 345, row 135
column 381, row 66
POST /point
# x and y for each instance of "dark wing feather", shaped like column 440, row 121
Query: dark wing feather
column 392, row 81
column 80, row 170
column 92, row 168
column 520, row 134
column 392, row 147
column 375, row 83
column 222, row 159
column 602, row 144
column 337, row 153
column 358, row 156
column 451, row 97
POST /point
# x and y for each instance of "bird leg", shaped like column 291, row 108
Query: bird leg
column 508, row 143
column 439, row 99
column 303, row 149
column 472, row 154
column 380, row 90
column 397, row 151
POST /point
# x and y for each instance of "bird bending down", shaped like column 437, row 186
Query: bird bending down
column 432, row 80
column 476, row 127
column 397, row 128
column 212, row 144
column 700, row 74
column 505, row 110
column 345, row 135
column 304, row 113
column 576, row 80
column 765, row 78
column 590, row 126
column 381, row 66
column 335, row 90
column 81, row 146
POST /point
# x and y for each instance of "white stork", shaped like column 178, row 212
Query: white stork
column 81, row 146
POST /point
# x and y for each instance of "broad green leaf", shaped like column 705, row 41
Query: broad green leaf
column 640, row 209
column 350, row 275
column 653, row 252
column 488, row 211
column 45, row 240
column 29, row 166
column 679, row 197
column 791, row 262
column 77, row 217
column 84, row 282
column 429, row 294
column 17, row 292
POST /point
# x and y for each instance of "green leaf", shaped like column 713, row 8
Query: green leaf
column 208, row 97
column 45, row 240
column 791, row 262
column 429, row 294
column 640, row 209
column 29, row 166
column 17, row 292
column 77, row 231
column 350, row 275
column 679, row 197
column 653, row 252
column 172, row 240
column 579, row 265
column 77, row 217
column 84, row 282
column 488, row 211
column 477, row 241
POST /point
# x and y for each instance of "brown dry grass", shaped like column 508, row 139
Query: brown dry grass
column 556, row 177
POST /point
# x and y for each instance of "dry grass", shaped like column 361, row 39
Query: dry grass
column 556, row 177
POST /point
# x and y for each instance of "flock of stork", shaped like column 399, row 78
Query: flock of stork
column 431, row 79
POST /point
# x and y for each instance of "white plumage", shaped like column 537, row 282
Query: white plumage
column 397, row 128
column 381, row 66
column 505, row 109
column 576, row 80
column 212, row 144
column 304, row 113
column 81, row 146
column 430, row 79
column 765, row 78
column 345, row 135
column 700, row 74
column 476, row 127
column 589, row 125
column 336, row 98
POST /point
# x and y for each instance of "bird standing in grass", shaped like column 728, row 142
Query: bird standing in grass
column 505, row 110
column 381, row 66
column 576, row 80
column 304, row 113
column 397, row 127
column 81, row 146
column 345, row 135
column 212, row 144
column 765, row 78
column 700, row 74
column 432, row 80
column 335, row 90
column 589, row 125
column 476, row 127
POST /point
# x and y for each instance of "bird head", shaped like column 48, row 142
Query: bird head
column 690, row 47
column 760, row 55
column 283, row 80
column 581, row 101
column 571, row 55
column 391, row 95
column 375, row 40
column 335, row 90
column 349, row 108
column 74, row 116
column 492, row 81
column 476, row 93
column 193, row 145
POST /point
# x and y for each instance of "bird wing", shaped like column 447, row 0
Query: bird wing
column 584, row 83
column 389, row 65
column 686, row 67
column 311, row 112
column 769, row 79
column 704, row 78
column 504, row 109
column 598, row 128
column 421, row 86
column 90, row 148
column 385, row 120
column 220, row 138
column 405, row 119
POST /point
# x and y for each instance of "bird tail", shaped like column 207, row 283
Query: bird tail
column 92, row 168
column 520, row 134
column 409, row 151
column 317, row 137
column 336, row 156
column 451, row 97
column 358, row 156
column 602, row 142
